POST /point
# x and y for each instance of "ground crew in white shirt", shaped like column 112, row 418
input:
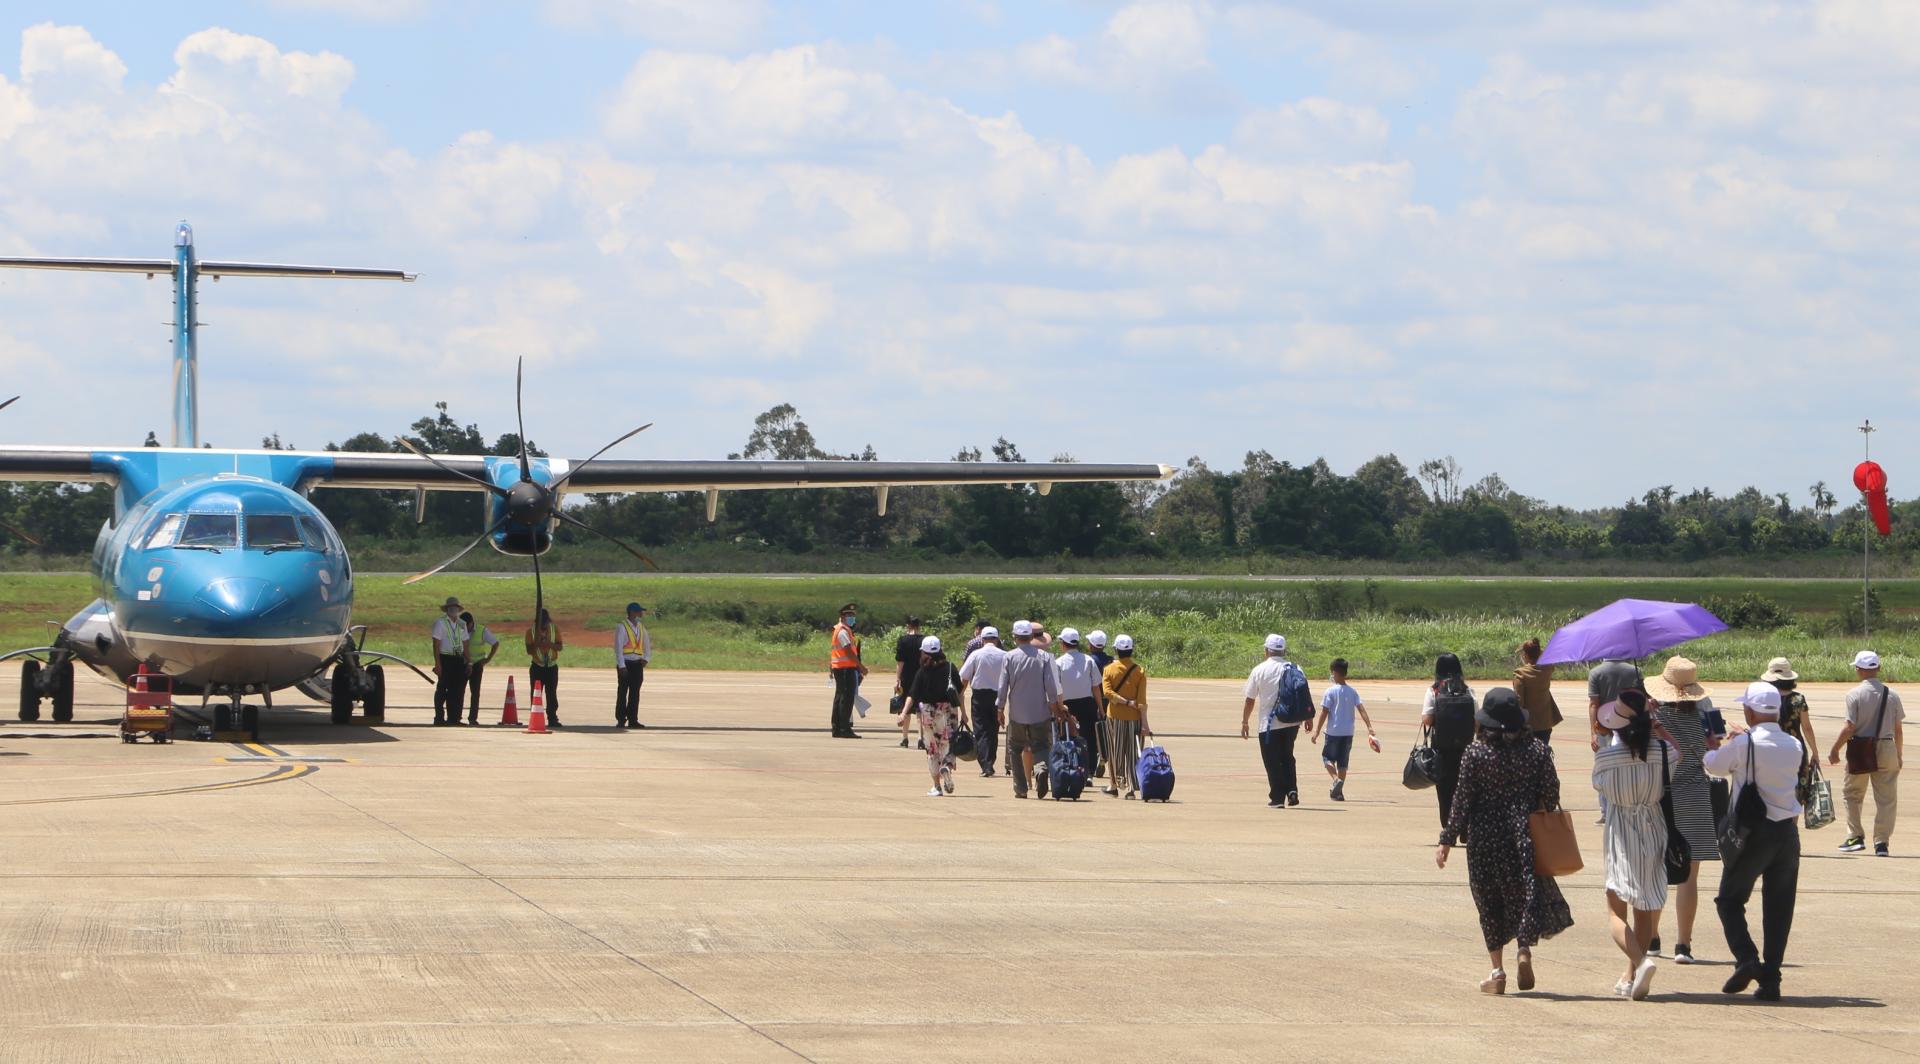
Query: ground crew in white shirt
column 1765, row 757
column 632, row 646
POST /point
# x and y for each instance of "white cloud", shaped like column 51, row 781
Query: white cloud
column 237, row 72
column 64, row 64
column 1154, row 48
column 1313, row 128
column 682, row 23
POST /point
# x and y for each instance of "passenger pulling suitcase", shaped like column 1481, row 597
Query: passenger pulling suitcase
column 1066, row 776
column 1153, row 774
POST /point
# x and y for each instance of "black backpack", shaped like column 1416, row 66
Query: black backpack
column 1453, row 715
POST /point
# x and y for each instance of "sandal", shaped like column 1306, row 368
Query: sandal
column 1526, row 971
column 1494, row 983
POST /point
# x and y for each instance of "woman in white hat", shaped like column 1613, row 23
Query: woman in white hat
column 935, row 691
column 1681, row 723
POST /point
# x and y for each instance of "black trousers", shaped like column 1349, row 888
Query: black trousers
column 1772, row 858
column 986, row 727
column 1446, row 766
column 1276, row 753
column 1086, row 714
column 475, row 671
column 846, row 684
column 448, row 692
column 548, row 677
column 626, row 697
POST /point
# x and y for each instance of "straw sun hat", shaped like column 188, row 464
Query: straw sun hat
column 1678, row 682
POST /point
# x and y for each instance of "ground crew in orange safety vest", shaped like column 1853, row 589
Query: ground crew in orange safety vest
column 843, row 658
column 632, row 646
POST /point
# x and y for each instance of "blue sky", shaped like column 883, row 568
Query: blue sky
column 1592, row 247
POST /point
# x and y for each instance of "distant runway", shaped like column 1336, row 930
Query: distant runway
column 732, row 884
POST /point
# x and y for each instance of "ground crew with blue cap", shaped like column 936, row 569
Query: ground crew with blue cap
column 632, row 646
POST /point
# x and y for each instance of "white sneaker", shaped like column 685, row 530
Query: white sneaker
column 935, row 793
column 946, row 782
column 1643, row 980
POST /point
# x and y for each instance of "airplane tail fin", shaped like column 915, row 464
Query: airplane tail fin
column 186, row 271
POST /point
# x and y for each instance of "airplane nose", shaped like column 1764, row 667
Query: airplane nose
column 243, row 597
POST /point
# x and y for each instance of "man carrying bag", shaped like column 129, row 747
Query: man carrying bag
column 1873, row 743
column 1759, row 840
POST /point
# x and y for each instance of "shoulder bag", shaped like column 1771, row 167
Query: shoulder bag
column 1863, row 751
column 1679, row 857
column 1556, row 849
column 1423, row 765
column 1745, row 813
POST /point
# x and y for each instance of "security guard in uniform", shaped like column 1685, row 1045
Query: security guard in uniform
column 632, row 646
column 449, row 664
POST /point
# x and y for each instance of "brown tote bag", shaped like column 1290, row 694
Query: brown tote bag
column 1863, row 752
column 1556, row 850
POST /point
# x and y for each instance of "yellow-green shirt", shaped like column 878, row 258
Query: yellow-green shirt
column 1124, row 679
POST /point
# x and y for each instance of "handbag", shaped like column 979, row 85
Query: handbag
column 1422, row 769
column 1743, row 815
column 1863, row 752
column 1816, row 799
column 1679, row 856
column 962, row 745
column 1556, row 849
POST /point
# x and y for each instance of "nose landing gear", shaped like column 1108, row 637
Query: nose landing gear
column 50, row 681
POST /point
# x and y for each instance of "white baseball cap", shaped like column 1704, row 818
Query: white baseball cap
column 1023, row 628
column 1866, row 659
column 1123, row 642
column 1070, row 636
column 1762, row 698
column 1276, row 643
column 1097, row 638
column 930, row 645
column 989, row 632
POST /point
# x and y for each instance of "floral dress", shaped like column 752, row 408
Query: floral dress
column 1500, row 783
column 931, row 687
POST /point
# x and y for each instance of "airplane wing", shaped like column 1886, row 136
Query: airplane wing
column 213, row 268
column 350, row 469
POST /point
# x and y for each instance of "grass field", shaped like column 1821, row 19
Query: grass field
column 1205, row 627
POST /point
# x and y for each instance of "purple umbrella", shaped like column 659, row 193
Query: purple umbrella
column 1630, row 628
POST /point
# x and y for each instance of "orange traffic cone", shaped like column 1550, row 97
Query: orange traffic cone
column 140, row 679
column 537, row 716
column 510, row 713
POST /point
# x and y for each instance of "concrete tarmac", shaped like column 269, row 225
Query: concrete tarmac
column 733, row 884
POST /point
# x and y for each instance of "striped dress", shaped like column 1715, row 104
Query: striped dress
column 1692, row 797
column 1636, row 833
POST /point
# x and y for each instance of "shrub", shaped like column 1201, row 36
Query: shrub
column 960, row 607
column 1749, row 610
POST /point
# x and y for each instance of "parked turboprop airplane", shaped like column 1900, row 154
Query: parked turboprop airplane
column 217, row 571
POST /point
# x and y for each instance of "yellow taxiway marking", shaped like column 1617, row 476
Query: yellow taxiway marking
column 262, row 753
column 278, row 775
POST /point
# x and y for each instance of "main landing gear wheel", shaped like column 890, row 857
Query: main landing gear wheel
column 375, row 704
column 62, row 691
column 29, row 690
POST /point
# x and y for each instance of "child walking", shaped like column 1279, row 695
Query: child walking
column 1337, row 709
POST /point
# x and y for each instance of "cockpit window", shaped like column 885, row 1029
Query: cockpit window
column 163, row 533
column 210, row 531
column 273, row 532
column 315, row 536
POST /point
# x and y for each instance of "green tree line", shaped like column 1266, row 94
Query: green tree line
column 1382, row 510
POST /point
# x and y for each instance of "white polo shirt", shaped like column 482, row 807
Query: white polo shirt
column 1079, row 675
column 449, row 636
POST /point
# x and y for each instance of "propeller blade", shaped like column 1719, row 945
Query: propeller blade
column 555, row 486
column 16, row 529
column 417, row 577
column 9, row 402
column 495, row 488
column 526, row 468
column 577, row 523
column 539, row 597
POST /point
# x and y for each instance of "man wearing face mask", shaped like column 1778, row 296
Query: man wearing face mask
column 843, row 661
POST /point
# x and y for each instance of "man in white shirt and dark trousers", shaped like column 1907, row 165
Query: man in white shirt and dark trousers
column 449, row 664
column 1080, row 689
column 1873, row 712
column 981, row 675
column 1276, row 736
column 1764, row 757
column 632, row 646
